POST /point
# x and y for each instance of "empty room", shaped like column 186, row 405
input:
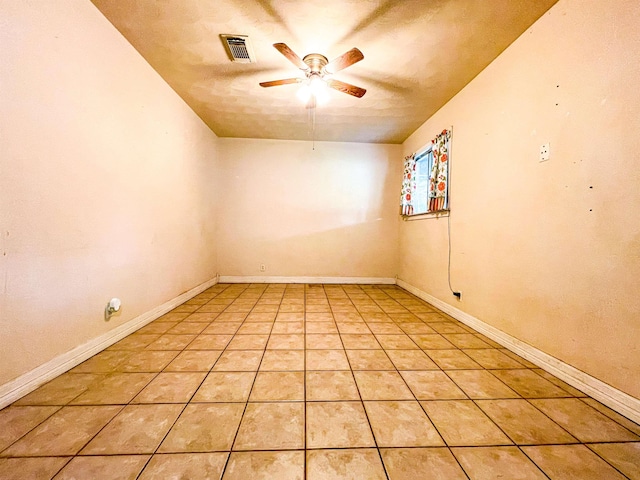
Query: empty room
column 354, row 239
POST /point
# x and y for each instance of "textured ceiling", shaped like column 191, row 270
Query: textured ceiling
column 418, row 54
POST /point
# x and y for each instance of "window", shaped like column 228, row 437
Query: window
column 425, row 186
column 424, row 164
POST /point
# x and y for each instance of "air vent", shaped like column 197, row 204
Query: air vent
column 239, row 48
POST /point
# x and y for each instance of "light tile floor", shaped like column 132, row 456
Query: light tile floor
column 317, row 382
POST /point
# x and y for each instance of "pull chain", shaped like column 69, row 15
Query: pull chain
column 313, row 134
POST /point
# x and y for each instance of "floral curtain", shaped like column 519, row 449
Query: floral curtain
column 408, row 185
column 438, row 181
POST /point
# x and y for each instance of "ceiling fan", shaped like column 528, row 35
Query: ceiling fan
column 318, row 71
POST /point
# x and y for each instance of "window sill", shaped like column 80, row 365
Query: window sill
column 424, row 216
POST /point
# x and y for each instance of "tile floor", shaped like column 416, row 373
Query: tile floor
column 311, row 382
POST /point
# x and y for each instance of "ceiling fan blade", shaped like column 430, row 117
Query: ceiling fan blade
column 352, row 56
column 275, row 83
column 291, row 55
column 346, row 88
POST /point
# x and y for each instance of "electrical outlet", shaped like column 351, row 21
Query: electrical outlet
column 263, row 267
column 545, row 152
column 458, row 295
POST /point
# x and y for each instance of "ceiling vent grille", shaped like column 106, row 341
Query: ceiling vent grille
column 239, row 48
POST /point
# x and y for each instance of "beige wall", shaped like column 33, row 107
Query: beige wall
column 105, row 181
column 111, row 186
column 547, row 252
column 332, row 211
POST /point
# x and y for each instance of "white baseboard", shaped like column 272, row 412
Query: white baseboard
column 613, row 398
column 26, row 383
column 340, row 280
column 610, row 396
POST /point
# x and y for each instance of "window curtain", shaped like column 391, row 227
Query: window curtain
column 408, row 185
column 439, row 178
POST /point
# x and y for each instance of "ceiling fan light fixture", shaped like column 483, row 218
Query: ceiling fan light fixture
column 319, row 75
column 304, row 93
column 319, row 89
column 314, row 87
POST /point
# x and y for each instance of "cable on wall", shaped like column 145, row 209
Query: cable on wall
column 449, row 259
column 455, row 293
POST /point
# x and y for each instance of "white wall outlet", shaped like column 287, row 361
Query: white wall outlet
column 112, row 307
column 545, row 152
column 263, row 267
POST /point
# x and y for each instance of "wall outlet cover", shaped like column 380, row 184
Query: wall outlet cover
column 545, row 152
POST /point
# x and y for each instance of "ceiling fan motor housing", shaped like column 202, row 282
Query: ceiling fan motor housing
column 316, row 63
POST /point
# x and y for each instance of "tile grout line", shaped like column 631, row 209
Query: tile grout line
column 569, row 395
column 122, row 407
column 60, row 407
column 68, row 404
column 246, row 404
column 579, row 442
column 373, row 434
column 446, row 444
column 155, row 452
column 586, row 445
column 449, row 447
column 334, row 298
column 515, row 444
column 304, row 333
column 582, row 399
